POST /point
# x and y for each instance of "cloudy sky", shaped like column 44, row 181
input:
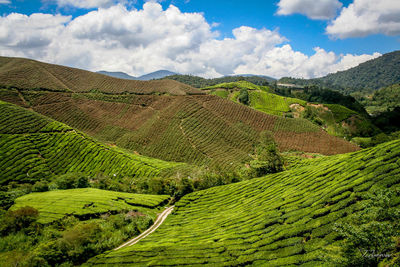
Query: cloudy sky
column 209, row 38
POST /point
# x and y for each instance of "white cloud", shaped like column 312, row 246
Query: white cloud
column 320, row 9
column 366, row 17
column 86, row 3
column 5, row 2
column 141, row 41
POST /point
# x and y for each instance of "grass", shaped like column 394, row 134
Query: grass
column 281, row 219
column 34, row 147
column 30, row 74
column 87, row 202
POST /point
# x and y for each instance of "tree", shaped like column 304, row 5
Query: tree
column 373, row 234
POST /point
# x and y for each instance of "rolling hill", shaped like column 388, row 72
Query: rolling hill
column 282, row 219
column 34, row 147
column 201, row 129
column 373, row 74
column 30, row 74
column 335, row 119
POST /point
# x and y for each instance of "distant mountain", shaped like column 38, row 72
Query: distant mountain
column 119, row 75
column 156, row 75
column 371, row 75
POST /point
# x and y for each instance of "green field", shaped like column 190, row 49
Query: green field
column 86, row 202
column 281, row 219
column 34, row 147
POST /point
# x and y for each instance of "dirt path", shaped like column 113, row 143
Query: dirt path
column 160, row 219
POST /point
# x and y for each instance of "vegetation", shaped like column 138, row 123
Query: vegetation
column 199, row 82
column 86, row 203
column 67, row 227
column 200, row 130
column 286, row 218
column 30, row 74
column 372, row 235
column 373, row 74
column 336, row 119
column 382, row 100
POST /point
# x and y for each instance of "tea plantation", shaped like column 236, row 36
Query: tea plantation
column 34, row 147
column 86, row 203
column 280, row 219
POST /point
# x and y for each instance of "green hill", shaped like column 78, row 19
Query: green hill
column 34, row 147
column 30, row 74
column 87, row 203
column 281, row 219
column 200, row 130
column 335, row 119
column 373, row 74
column 382, row 100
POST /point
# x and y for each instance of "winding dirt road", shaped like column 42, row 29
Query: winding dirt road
column 160, row 219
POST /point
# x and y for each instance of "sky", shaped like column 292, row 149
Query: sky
column 208, row 38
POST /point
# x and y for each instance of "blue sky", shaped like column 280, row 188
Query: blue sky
column 298, row 29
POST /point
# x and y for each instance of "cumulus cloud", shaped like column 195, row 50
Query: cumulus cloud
column 86, row 3
column 365, row 17
column 321, row 9
column 149, row 39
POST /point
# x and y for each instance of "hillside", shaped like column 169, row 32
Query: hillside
column 382, row 100
column 281, row 219
column 335, row 119
column 199, row 82
column 30, row 74
column 373, row 74
column 201, row 129
column 86, row 203
column 34, row 147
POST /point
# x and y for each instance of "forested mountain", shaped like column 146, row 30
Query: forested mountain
column 371, row 75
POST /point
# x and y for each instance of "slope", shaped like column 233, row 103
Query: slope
column 30, row 74
column 333, row 118
column 373, row 74
column 199, row 129
column 281, row 219
column 86, row 203
column 33, row 147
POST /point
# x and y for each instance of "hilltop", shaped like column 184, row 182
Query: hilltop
column 373, row 74
column 281, row 219
column 27, row 74
column 199, row 82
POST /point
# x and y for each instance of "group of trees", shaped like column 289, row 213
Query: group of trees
column 200, row 82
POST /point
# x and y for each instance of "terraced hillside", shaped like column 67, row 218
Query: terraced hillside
column 335, row 119
column 34, row 147
column 87, row 203
column 30, row 74
column 281, row 219
column 199, row 129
